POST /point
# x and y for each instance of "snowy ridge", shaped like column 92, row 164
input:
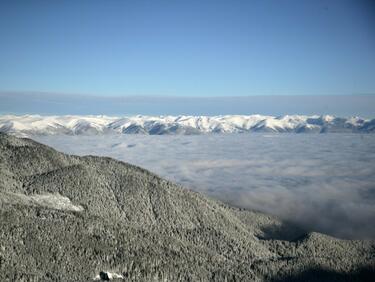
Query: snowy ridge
column 28, row 125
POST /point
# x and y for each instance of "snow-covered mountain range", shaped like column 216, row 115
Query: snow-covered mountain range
column 28, row 125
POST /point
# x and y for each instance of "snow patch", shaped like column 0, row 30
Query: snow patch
column 52, row 201
column 55, row 201
column 105, row 276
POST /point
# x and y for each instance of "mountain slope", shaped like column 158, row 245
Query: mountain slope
column 29, row 125
column 69, row 218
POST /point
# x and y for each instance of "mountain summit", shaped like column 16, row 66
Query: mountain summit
column 70, row 218
column 29, row 125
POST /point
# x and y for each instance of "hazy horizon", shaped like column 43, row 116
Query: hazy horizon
column 277, row 105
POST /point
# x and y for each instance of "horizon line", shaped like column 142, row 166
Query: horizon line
column 95, row 95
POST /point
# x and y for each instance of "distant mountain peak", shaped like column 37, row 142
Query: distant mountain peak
column 28, row 125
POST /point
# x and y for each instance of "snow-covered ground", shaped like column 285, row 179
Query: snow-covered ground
column 29, row 125
column 324, row 181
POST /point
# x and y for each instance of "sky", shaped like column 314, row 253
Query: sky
column 188, row 48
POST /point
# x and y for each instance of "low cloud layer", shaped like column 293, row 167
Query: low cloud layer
column 326, row 183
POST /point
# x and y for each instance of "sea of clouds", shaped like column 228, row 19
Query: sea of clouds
column 324, row 182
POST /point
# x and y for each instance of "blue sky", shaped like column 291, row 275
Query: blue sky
column 188, row 48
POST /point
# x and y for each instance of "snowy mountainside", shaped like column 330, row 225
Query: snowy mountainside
column 28, row 125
